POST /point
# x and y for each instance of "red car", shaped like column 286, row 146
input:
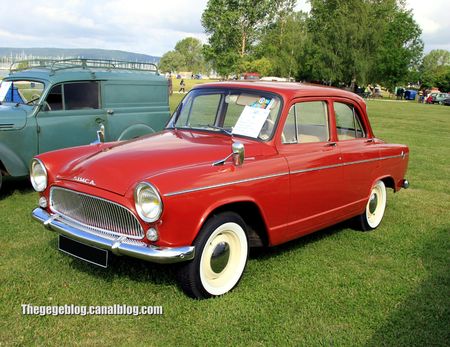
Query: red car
column 239, row 165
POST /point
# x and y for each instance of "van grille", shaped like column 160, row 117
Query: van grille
column 95, row 214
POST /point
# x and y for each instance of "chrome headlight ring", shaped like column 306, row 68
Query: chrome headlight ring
column 38, row 175
column 148, row 203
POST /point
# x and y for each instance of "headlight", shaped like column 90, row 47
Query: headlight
column 148, row 202
column 38, row 175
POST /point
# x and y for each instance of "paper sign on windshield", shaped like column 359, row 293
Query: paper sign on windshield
column 251, row 121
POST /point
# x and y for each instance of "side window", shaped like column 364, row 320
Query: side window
column 81, row 95
column 348, row 123
column 307, row 122
column 289, row 134
column 54, row 99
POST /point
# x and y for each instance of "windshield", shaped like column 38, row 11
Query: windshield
column 21, row 92
column 237, row 112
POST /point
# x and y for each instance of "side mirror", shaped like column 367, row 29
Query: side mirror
column 100, row 135
column 238, row 153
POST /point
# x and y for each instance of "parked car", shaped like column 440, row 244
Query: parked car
column 446, row 102
column 239, row 165
column 46, row 105
column 430, row 98
column 253, row 76
column 440, row 97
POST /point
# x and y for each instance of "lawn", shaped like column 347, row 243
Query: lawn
column 336, row 287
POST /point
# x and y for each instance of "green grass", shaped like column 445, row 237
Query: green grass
column 336, row 287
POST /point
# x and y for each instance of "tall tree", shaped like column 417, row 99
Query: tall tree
column 283, row 42
column 191, row 49
column 435, row 69
column 341, row 41
column 361, row 41
column 172, row 61
column 233, row 26
column 400, row 46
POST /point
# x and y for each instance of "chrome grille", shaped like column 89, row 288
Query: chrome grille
column 95, row 214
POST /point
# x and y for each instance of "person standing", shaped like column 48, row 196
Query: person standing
column 182, row 86
column 170, row 85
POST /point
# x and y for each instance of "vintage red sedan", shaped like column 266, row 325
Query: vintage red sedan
column 239, row 165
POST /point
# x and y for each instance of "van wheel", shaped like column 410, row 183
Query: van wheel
column 221, row 255
column 374, row 211
column 1, row 179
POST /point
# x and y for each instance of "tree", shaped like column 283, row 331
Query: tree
column 191, row 49
column 400, row 47
column 283, row 42
column 233, row 27
column 435, row 68
column 172, row 61
column 341, row 41
column 361, row 41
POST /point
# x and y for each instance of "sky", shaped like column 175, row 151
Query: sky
column 148, row 26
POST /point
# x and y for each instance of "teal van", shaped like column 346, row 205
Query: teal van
column 51, row 104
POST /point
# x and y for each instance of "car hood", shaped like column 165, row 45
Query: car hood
column 12, row 117
column 122, row 165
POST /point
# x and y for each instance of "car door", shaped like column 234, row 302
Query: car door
column 359, row 152
column 314, row 166
column 70, row 116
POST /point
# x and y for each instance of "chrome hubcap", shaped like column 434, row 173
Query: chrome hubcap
column 373, row 203
column 220, row 256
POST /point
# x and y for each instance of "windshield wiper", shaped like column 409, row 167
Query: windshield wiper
column 221, row 129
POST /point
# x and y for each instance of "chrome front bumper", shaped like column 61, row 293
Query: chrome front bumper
column 118, row 246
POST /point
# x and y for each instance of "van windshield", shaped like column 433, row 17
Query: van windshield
column 21, row 92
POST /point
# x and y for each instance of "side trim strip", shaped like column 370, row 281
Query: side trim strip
column 347, row 164
column 226, row 184
column 282, row 174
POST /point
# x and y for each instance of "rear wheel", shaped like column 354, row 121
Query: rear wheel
column 374, row 211
column 221, row 255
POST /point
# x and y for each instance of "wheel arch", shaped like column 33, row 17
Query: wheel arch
column 11, row 163
column 134, row 131
column 252, row 215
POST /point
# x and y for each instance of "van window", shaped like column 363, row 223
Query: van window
column 81, row 95
column 54, row 99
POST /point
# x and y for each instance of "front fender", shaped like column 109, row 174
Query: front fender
column 134, row 131
column 13, row 164
column 228, row 201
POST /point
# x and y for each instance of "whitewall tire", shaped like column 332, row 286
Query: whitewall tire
column 221, row 252
column 376, row 205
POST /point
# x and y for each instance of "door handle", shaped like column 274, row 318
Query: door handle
column 370, row 141
column 110, row 111
column 331, row 144
column 99, row 120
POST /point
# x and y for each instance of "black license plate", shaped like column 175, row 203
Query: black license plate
column 84, row 252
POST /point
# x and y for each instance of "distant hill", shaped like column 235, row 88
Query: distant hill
column 29, row 53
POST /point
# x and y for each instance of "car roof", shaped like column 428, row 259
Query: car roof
column 286, row 89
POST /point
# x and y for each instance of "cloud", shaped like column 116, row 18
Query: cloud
column 147, row 26
column 133, row 25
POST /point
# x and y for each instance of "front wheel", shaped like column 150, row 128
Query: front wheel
column 221, row 255
column 374, row 212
